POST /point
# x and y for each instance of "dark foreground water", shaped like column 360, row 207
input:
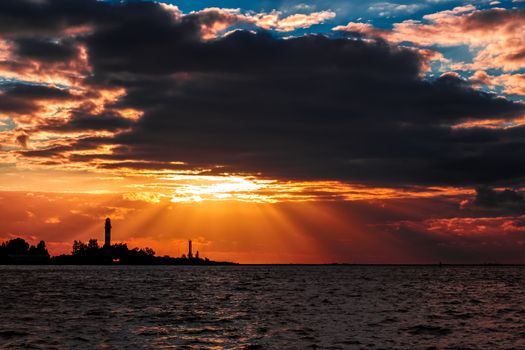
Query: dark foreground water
column 262, row 307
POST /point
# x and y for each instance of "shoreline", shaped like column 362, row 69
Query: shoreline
column 234, row 264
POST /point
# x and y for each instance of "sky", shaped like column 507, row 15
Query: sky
column 267, row 131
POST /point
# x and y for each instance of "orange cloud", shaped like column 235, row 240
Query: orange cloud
column 496, row 35
column 275, row 20
column 511, row 83
column 214, row 20
column 476, row 226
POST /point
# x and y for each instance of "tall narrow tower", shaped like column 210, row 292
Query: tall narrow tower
column 190, row 255
column 107, row 237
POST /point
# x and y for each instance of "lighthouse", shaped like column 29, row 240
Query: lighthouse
column 190, row 254
column 107, row 236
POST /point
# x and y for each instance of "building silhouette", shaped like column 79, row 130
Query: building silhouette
column 190, row 254
column 107, row 236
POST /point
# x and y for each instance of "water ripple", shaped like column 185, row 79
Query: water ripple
column 261, row 307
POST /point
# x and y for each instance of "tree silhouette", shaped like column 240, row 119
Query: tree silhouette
column 19, row 251
column 41, row 248
column 149, row 251
column 92, row 244
column 17, row 246
column 79, row 248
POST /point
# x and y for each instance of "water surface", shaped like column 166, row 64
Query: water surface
column 261, row 307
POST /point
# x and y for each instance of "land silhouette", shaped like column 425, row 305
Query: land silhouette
column 18, row 251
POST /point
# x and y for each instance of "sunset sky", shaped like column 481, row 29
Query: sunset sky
column 267, row 131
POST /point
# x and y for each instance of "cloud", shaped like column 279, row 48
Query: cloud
column 301, row 108
column 81, row 121
column 488, row 197
column 511, row 83
column 275, row 20
column 494, row 35
column 496, row 202
column 389, row 9
column 24, row 99
column 22, row 140
column 212, row 21
column 26, row 18
column 46, row 50
column 361, row 28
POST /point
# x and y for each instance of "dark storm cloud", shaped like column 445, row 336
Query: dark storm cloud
column 40, row 18
column 82, row 121
column 505, row 201
column 51, row 152
column 46, row 50
column 310, row 107
column 22, row 98
column 36, row 92
column 488, row 197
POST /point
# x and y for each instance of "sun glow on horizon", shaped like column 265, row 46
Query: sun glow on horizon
column 156, row 186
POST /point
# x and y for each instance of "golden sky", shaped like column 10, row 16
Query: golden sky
column 290, row 134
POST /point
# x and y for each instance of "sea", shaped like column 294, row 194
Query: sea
column 262, row 307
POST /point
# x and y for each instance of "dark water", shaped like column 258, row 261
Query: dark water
column 262, row 307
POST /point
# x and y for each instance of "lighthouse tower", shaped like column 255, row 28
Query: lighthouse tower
column 190, row 254
column 107, row 236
